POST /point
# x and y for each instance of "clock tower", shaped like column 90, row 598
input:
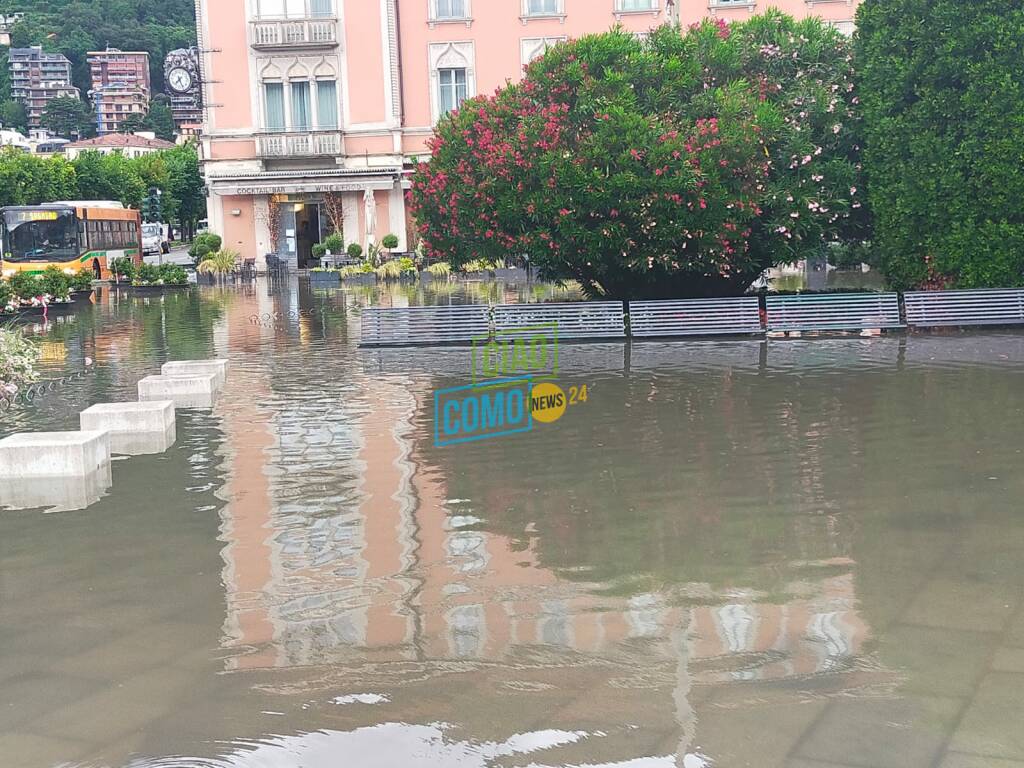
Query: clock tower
column 182, row 84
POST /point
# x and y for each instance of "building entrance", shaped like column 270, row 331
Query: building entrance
column 308, row 232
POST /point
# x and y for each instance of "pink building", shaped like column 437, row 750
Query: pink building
column 316, row 109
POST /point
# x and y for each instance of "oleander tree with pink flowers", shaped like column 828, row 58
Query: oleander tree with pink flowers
column 679, row 165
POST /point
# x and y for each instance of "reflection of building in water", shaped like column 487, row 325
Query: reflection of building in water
column 343, row 547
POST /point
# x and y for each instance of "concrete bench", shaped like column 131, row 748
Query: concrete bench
column 695, row 317
column 409, row 326
column 937, row 309
column 574, row 320
column 834, row 312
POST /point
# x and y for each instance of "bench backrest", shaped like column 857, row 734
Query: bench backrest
column 575, row 320
column 953, row 308
column 695, row 317
column 834, row 312
column 425, row 325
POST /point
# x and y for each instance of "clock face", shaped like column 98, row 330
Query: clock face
column 180, row 79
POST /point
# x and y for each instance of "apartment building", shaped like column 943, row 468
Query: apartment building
column 316, row 101
column 37, row 78
column 120, row 86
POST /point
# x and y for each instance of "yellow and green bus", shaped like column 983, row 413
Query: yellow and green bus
column 75, row 236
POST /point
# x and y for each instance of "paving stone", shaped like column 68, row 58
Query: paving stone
column 957, row 760
column 882, row 733
column 936, row 661
column 992, row 725
column 963, row 604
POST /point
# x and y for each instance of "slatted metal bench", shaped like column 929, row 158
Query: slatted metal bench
column 695, row 317
column 953, row 308
column 410, row 326
column 575, row 320
column 834, row 312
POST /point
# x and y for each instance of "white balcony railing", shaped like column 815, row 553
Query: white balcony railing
column 300, row 144
column 295, row 33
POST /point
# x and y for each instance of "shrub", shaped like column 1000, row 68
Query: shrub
column 355, row 251
column 220, row 263
column 204, row 245
column 319, row 250
column 56, row 283
column 679, row 165
column 82, row 281
column 122, row 268
column 18, row 359
column 406, row 264
column 26, row 286
column 440, row 269
column 390, row 270
column 146, row 274
column 943, row 92
column 7, row 298
column 355, row 270
column 335, row 243
column 172, row 274
column 390, row 242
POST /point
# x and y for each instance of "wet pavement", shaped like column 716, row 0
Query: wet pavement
column 804, row 553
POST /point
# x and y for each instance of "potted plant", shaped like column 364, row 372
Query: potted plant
column 18, row 359
column 204, row 246
column 440, row 271
column 123, row 269
column 359, row 273
column 81, row 285
column 150, row 278
column 218, row 265
column 389, row 243
column 355, row 251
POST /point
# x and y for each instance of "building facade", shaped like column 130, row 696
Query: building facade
column 130, row 145
column 318, row 123
column 120, row 86
column 37, row 78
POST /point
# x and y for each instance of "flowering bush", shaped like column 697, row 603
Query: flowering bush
column 679, row 165
column 943, row 97
column 18, row 358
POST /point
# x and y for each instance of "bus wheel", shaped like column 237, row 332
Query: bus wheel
column 96, row 272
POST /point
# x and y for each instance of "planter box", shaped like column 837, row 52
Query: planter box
column 155, row 289
column 324, row 279
column 511, row 275
column 368, row 279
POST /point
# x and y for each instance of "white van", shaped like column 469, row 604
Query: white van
column 154, row 239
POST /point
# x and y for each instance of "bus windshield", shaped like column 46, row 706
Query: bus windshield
column 40, row 235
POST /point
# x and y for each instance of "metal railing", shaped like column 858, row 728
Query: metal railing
column 295, row 33
column 939, row 309
column 299, row 144
column 695, row 317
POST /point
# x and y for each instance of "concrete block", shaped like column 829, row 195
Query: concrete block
column 30, row 455
column 198, row 390
column 189, row 367
column 56, row 494
column 135, row 428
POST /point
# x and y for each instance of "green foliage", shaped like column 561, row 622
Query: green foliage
column 478, row 265
column 319, row 251
column 355, row 251
column 6, row 295
column 204, row 245
column 440, row 269
column 173, row 274
column 75, row 27
column 55, row 283
column 18, row 359
column 109, row 177
column 355, row 270
column 29, row 179
column 132, row 123
column 220, row 263
column 160, row 121
column 26, row 285
column 335, row 243
column 390, row 242
column 123, row 268
column 390, row 270
column 406, row 265
column 68, row 117
column 680, row 165
column 943, row 92
column 82, row 281
column 13, row 116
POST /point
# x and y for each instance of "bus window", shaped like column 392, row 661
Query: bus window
column 40, row 236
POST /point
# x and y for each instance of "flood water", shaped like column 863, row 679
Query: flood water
column 804, row 553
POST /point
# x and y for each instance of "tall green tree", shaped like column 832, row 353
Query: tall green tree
column 160, row 121
column 942, row 83
column 109, row 177
column 13, row 116
column 132, row 123
column 29, row 179
column 186, row 186
column 69, row 117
